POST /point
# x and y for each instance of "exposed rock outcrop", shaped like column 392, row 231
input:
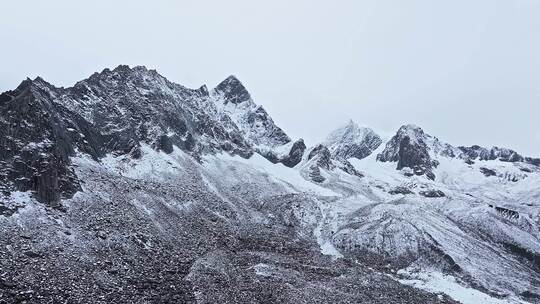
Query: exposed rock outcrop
column 432, row 193
column 35, row 143
column 110, row 112
column 294, row 156
column 234, row 101
column 320, row 157
column 409, row 149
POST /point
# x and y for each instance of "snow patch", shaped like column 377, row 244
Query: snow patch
column 437, row 282
column 19, row 197
column 263, row 270
column 279, row 172
column 151, row 163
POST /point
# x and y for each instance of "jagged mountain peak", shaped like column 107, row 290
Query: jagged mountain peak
column 125, row 72
column 124, row 68
column 230, row 80
column 412, row 131
column 114, row 111
column 350, row 130
column 233, row 100
column 410, row 126
column 31, row 88
column 409, row 148
column 36, row 82
column 233, row 91
column 413, row 148
column 39, row 79
column 351, row 140
column 203, row 90
column 27, row 83
column 349, row 125
column 132, row 84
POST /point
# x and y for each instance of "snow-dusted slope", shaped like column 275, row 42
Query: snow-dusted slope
column 352, row 141
column 130, row 188
column 234, row 102
column 476, row 220
column 232, row 99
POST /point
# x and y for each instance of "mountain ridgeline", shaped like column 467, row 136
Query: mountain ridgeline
column 129, row 188
column 116, row 110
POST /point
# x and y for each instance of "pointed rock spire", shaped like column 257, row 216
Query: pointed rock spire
column 409, row 149
column 233, row 90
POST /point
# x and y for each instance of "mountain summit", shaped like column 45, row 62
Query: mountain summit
column 410, row 148
column 233, row 91
column 352, row 141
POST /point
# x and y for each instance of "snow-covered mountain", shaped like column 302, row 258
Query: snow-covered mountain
column 127, row 187
column 233, row 100
column 352, row 141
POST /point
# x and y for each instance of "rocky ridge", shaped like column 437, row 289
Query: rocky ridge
column 128, row 187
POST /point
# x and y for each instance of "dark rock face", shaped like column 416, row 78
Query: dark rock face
column 507, row 212
column 233, row 90
column 502, row 154
column 35, row 145
column 409, row 149
column 116, row 111
column 7, row 211
column 412, row 148
column 358, row 151
column 270, row 155
column 291, row 159
column 488, row 172
column 320, row 157
column 203, row 91
column 533, row 161
column 475, row 152
column 323, row 157
column 132, row 106
column 295, row 154
column 400, row 190
column 413, row 156
column 469, row 161
column 315, row 174
column 432, row 193
column 164, row 144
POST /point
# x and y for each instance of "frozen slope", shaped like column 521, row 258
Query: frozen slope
column 164, row 227
column 483, row 229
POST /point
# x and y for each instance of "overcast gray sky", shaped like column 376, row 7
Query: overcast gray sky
column 467, row 71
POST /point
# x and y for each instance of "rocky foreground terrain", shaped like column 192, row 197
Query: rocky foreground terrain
column 128, row 188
